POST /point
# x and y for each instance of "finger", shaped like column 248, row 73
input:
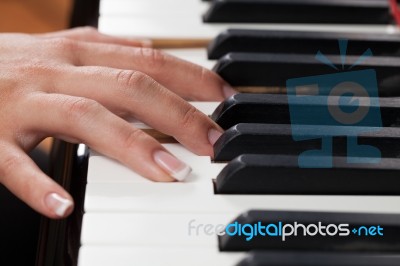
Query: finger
column 184, row 78
column 25, row 180
column 130, row 93
column 86, row 121
column 90, row 34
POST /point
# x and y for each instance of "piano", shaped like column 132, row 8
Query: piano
column 123, row 219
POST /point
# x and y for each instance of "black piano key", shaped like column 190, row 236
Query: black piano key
column 273, row 70
column 274, row 109
column 299, row 11
column 301, row 42
column 252, row 108
column 280, row 174
column 278, row 139
column 386, row 241
column 307, row 258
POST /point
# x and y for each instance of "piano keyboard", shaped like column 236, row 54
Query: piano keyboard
column 130, row 220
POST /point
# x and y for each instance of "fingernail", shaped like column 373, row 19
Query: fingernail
column 228, row 91
column 213, row 135
column 58, row 204
column 176, row 168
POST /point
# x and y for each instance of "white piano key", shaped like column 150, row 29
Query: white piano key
column 199, row 197
column 152, row 8
column 156, row 256
column 197, row 56
column 204, row 107
column 192, row 27
column 106, row 170
column 156, row 229
column 141, row 229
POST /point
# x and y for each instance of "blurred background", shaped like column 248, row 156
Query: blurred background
column 34, row 16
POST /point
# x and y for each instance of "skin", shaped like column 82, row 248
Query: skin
column 78, row 85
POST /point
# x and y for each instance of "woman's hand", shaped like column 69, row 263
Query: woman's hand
column 76, row 85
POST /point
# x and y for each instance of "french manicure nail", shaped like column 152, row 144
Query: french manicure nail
column 213, row 136
column 228, row 91
column 58, row 204
column 176, row 168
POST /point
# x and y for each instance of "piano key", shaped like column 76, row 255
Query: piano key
column 196, row 56
column 278, row 139
column 302, row 42
column 252, row 69
column 199, row 197
column 106, row 170
column 252, row 108
column 307, row 258
column 181, row 255
column 93, row 255
column 204, row 107
column 279, row 174
column 385, row 239
column 298, row 11
column 171, row 27
column 114, row 188
column 155, row 8
column 274, row 109
column 144, row 229
column 188, row 228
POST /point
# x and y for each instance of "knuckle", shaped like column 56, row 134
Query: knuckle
column 63, row 44
column 154, row 58
column 37, row 73
column 135, row 85
column 133, row 138
column 204, row 74
column 36, row 68
column 131, row 78
column 79, row 109
column 63, row 47
column 189, row 117
column 203, row 78
column 127, row 78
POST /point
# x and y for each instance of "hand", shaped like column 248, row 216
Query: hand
column 76, row 85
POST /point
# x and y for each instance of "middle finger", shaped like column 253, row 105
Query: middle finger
column 132, row 93
column 184, row 78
